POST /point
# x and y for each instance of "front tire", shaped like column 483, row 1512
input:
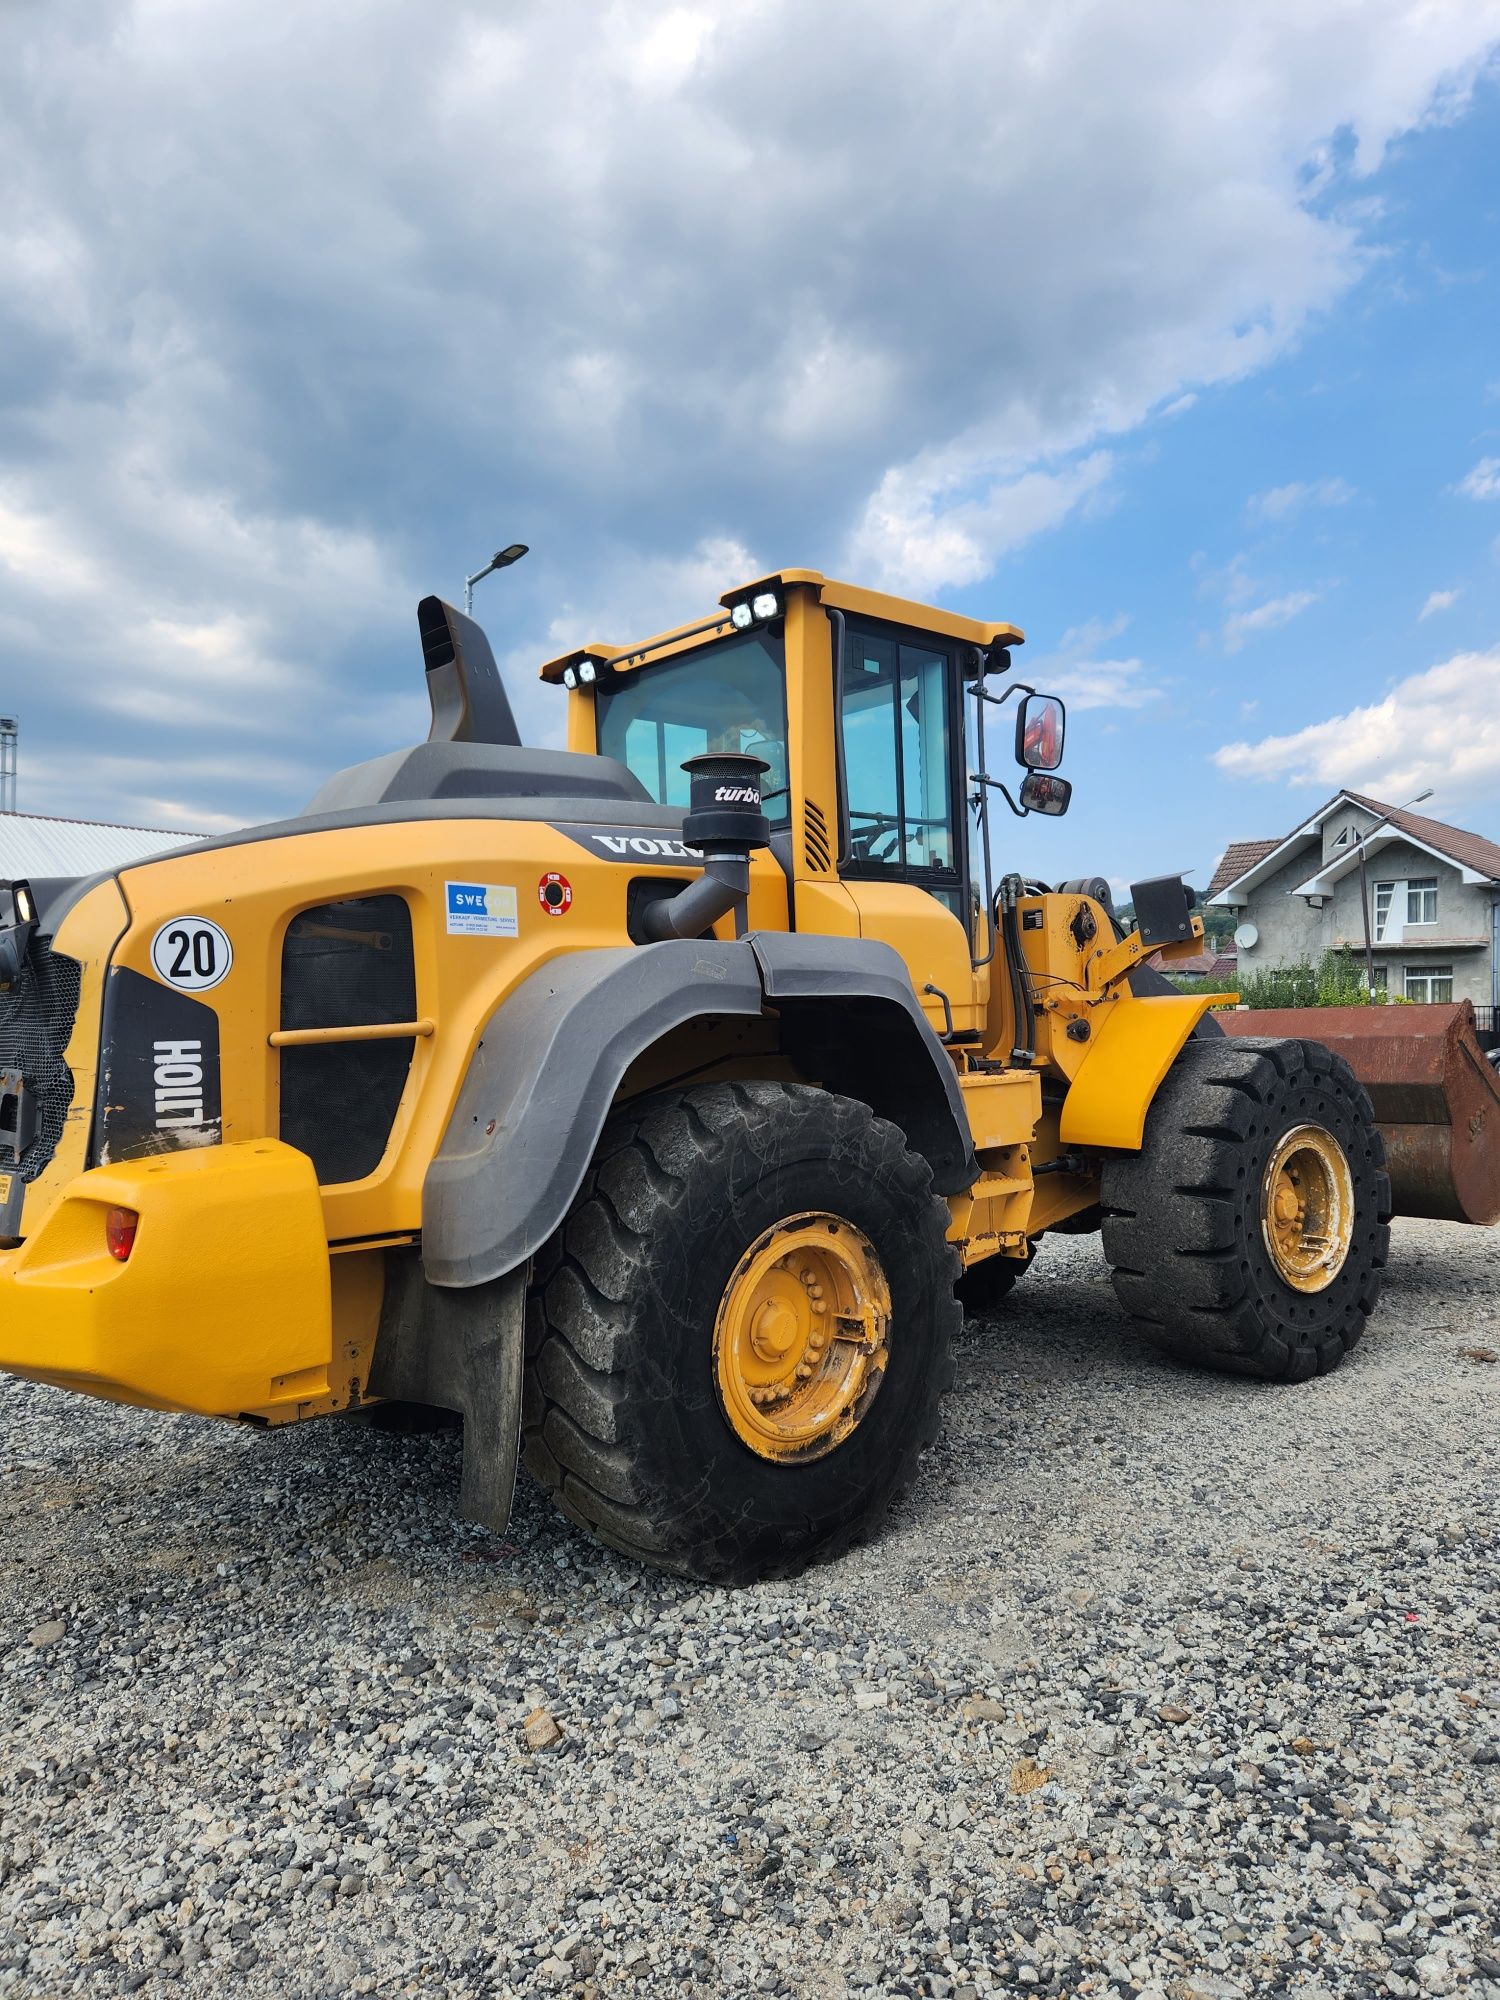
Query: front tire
column 1250, row 1232
column 727, row 1239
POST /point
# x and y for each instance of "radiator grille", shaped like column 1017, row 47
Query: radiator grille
column 346, row 965
column 36, row 1018
column 815, row 833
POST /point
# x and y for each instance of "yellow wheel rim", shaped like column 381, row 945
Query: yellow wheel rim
column 800, row 1341
column 1307, row 1207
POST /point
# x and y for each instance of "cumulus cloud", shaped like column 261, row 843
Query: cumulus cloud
column 1438, row 600
column 306, row 310
column 1482, row 482
column 1242, row 625
column 926, row 527
column 1282, row 501
column 1087, row 674
column 1440, row 727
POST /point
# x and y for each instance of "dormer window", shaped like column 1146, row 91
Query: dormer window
column 1345, row 837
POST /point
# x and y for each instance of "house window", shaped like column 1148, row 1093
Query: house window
column 1384, row 896
column 1429, row 983
column 1421, row 901
column 1380, row 979
column 1345, row 837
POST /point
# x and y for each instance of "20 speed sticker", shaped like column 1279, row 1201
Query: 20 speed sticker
column 555, row 894
column 191, row 953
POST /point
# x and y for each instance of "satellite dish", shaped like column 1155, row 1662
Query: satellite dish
column 1246, row 937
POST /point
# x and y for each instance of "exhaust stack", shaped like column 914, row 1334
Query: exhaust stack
column 469, row 702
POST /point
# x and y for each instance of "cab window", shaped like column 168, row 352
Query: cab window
column 730, row 695
column 897, row 699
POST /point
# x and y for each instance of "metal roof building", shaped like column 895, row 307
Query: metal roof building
column 33, row 847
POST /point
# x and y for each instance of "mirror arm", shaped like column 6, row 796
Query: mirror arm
column 999, row 700
column 983, row 778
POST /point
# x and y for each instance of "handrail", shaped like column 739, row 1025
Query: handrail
column 368, row 1031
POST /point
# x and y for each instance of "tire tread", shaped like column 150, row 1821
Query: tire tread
column 1174, row 1213
column 589, row 1353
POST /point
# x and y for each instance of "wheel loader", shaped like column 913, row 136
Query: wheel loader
column 654, row 1104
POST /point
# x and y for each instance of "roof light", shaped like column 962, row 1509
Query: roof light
column 766, row 605
column 741, row 617
column 119, row 1232
column 588, row 672
column 570, row 678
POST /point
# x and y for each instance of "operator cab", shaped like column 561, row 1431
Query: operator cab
column 868, row 711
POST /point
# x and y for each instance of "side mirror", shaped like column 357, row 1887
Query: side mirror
column 1040, row 723
column 1042, row 793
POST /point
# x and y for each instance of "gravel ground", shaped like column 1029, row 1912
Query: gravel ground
column 1157, row 1685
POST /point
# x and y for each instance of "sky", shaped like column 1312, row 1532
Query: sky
column 1169, row 332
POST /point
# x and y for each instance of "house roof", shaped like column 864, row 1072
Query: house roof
column 1237, row 859
column 1245, row 861
column 37, row 846
column 1207, row 964
column 1470, row 850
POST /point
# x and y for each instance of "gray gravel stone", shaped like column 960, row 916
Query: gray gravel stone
column 275, row 1742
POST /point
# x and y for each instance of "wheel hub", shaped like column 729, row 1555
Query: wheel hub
column 1307, row 1207
column 800, row 1339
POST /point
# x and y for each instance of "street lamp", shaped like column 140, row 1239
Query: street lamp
column 1364, row 884
column 501, row 559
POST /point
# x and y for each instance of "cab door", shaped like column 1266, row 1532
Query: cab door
column 905, row 859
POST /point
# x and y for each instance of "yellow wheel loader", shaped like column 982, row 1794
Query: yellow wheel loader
column 653, row 1104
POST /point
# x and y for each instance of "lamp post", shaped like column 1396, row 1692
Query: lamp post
column 10, row 731
column 1364, row 885
column 501, row 559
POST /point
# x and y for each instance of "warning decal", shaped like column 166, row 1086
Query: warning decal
column 481, row 909
column 555, row 894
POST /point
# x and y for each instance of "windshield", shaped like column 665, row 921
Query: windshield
column 729, row 695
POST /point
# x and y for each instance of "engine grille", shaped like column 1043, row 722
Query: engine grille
column 346, row 965
column 37, row 1011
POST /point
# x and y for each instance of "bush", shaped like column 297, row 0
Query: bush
column 1337, row 980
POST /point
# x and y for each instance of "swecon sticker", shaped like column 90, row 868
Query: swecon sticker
column 481, row 909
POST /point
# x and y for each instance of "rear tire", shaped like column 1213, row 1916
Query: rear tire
column 1184, row 1227
column 626, row 1423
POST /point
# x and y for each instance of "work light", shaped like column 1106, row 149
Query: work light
column 588, row 672
column 570, row 678
column 741, row 617
column 766, row 605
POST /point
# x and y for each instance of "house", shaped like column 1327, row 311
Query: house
column 1433, row 899
column 36, row 848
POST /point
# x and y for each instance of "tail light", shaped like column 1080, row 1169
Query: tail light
column 119, row 1232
